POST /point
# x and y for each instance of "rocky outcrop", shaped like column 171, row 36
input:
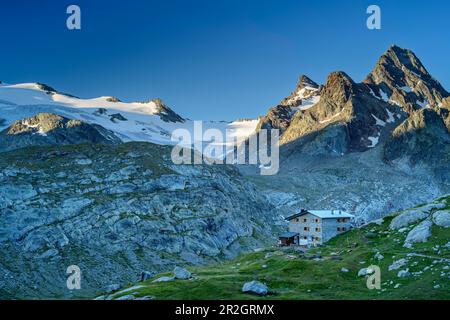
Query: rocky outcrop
column 51, row 129
column 121, row 210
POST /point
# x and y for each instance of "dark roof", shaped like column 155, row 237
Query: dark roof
column 288, row 234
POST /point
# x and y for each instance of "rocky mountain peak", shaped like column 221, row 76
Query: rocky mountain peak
column 339, row 87
column 401, row 78
column 305, row 95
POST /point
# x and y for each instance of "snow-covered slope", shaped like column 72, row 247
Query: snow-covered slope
column 135, row 121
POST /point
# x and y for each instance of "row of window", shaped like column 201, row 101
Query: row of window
column 313, row 238
column 307, row 229
column 341, row 229
column 318, row 220
column 306, row 220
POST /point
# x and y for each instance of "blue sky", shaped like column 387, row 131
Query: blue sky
column 212, row 59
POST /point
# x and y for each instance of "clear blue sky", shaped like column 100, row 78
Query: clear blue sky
column 211, row 59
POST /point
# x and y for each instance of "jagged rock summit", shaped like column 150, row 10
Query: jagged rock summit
column 399, row 76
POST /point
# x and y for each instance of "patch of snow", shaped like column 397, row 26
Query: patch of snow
column 391, row 118
column 406, row 89
column 384, row 95
column 330, row 119
column 379, row 122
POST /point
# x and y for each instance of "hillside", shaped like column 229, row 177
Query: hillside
column 418, row 270
column 117, row 211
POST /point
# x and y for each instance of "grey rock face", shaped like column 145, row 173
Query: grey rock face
column 163, row 216
column 255, row 287
column 51, row 129
column 422, row 138
column 181, row 273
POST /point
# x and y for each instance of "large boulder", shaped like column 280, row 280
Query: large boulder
column 365, row 272
column 420, row 233
column 413, row 215
column 255, row 287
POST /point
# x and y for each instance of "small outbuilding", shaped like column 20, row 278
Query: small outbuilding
column 288, row 239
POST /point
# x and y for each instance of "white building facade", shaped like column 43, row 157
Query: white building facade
column 319, row 226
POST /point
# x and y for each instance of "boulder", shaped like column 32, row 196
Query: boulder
column 442, row 218
column 164, row 279
column 146, row 275
column 420, row 233
column 181, row 273
column 407, row 218
column 255, row 287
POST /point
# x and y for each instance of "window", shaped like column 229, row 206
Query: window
column 317, row 220
column 305, row 220
column 306, row 228
column 297, row 220
column 317, row 229
column 343, row 229
column 338, row 229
